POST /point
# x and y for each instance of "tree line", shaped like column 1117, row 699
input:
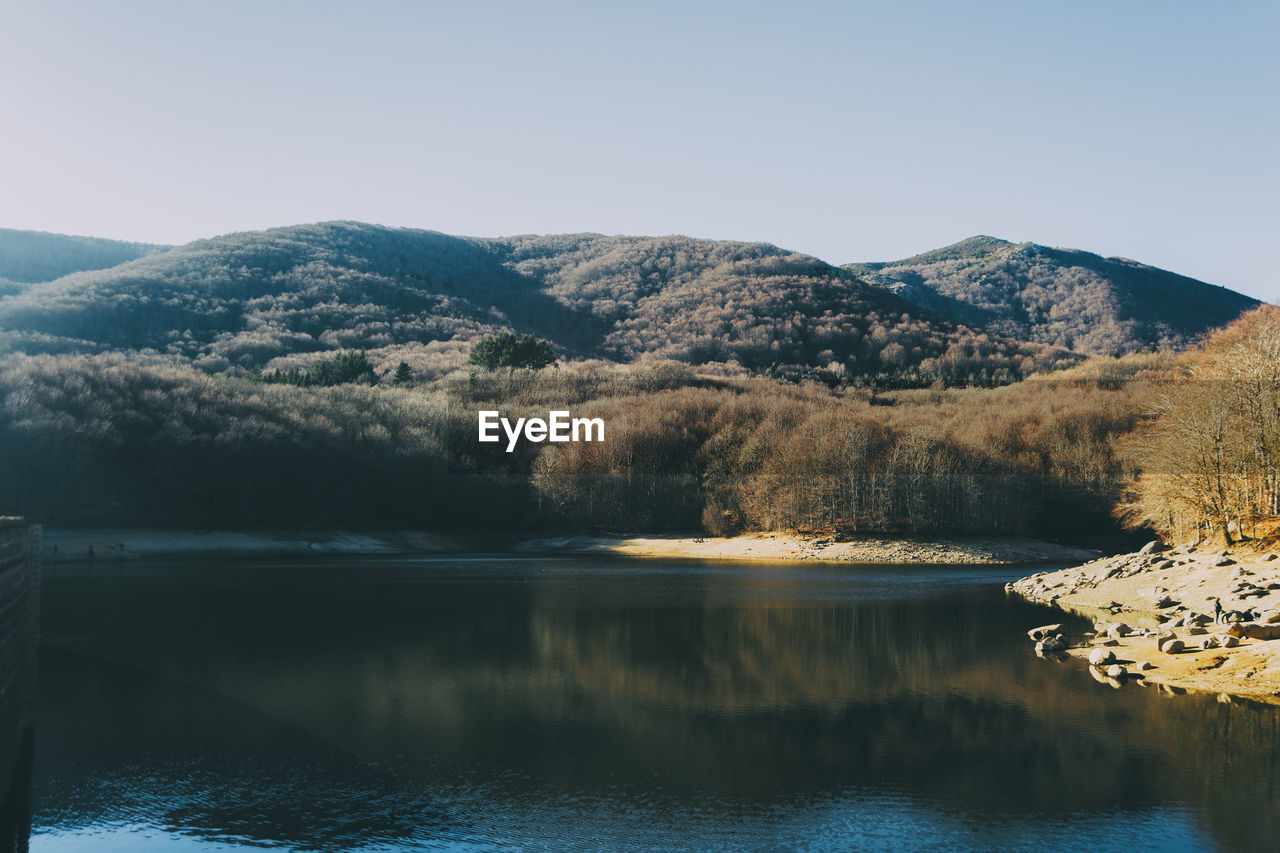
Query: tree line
column 1186, row 445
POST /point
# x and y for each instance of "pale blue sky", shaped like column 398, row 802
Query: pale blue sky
column 853, row 131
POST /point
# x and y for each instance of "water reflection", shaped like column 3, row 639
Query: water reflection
column 391, row 705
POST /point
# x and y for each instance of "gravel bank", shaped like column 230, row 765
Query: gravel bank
column 1221, row 606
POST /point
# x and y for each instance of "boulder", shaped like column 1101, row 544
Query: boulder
column 1102, row 678
column 1172, row 647
column 1051, row 644
column 1165, row 635
column 1227, row 641
column 1119, row 631
column 1196, row 630
column 1142, row 666
column 1236, row 629
column 1164, row 601
column 1117, row 671
column 1101, row 657
column 1155, row 546
column 1045, row 631
column 1109, row 641
column 1254, row 631
column 1224, row 561
column 1236, row 616
column 1210, row 642
column 1269, row 617
column 1270, row 557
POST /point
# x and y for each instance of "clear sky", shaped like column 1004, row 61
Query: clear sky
column 852, row 131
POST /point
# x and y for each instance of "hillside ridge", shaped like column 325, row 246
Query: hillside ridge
column 1070, row 298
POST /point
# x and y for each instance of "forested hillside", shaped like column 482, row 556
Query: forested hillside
column 109, row 439
column 29, row 256
column 1063, row 297
column 266, row 300
column 318, row 375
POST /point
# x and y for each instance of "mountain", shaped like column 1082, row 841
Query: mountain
column 31, row 256
column 1062, row 297
column 251, row 300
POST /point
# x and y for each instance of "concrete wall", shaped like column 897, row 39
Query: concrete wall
column 19, row 640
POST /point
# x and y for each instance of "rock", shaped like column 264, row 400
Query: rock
column 1179, row 622
column 1142, row 666
column 1235, row 616
column 1196, row 630
column 1235, row 629
column 1117, row 671
column 1209, row 642
column 1270, row 557
column 1102, row 678
column 1045, row 631
column 1119, row 631
column 1155, row 546
column 1100, row 657
column 1051, row 644
column 1198, row 619
column 1227, row 641
column 1269, row 617
column 1172, row 647
column 1165, row 636
column 1224, row 561
column 1109, row 641
column 1254, row 631
column 1162, row 564
column 1164, row 601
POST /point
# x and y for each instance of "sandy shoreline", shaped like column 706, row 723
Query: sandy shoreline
column 782, row 547
column 1173, row 590
column 130, row 544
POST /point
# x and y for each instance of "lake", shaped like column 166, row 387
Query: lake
column 579, row 704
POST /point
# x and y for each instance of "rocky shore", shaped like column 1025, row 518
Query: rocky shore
column 1189, row 617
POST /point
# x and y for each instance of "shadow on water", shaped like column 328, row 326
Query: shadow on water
column 401, row 704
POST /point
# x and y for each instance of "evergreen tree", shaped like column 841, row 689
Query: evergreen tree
column 506, row 350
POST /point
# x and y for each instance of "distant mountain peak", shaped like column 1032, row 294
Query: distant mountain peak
column 1063, row 297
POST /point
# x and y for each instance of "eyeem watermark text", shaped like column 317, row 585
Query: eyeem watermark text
column 558, row 427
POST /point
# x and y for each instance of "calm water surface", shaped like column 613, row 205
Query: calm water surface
column 500, row 704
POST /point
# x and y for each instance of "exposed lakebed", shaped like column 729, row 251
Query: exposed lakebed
column 494, row 703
